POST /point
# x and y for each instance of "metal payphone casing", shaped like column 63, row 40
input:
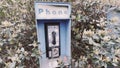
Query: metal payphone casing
column 54, row 33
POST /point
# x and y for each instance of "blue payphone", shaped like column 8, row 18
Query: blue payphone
column 54, row 33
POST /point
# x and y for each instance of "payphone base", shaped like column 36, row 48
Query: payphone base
column 54, row 63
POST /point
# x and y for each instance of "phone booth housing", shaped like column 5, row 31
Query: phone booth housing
column 54, row 33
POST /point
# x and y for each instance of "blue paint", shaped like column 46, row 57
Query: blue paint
column 63, row 38
column 40, row 11
column 47, row 12
column 65, row 34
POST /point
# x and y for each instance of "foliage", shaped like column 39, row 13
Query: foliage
column 18, row 46
column 85, row 18
column 92, row 40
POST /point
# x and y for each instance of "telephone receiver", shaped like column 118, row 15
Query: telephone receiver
column 53, row 37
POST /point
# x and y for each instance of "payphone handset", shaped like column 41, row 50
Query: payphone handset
column 52, row 33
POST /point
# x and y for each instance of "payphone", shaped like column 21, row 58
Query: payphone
column 54, row 33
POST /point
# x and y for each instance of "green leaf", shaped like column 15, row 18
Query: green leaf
column 77, row 36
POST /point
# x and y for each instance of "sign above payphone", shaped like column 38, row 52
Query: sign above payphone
column 52, row 11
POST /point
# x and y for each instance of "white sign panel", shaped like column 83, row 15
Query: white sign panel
column 44, row 11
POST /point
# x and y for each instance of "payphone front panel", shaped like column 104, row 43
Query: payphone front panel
column 52, row 38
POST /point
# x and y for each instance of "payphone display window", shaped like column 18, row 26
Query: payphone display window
column 52, row 33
